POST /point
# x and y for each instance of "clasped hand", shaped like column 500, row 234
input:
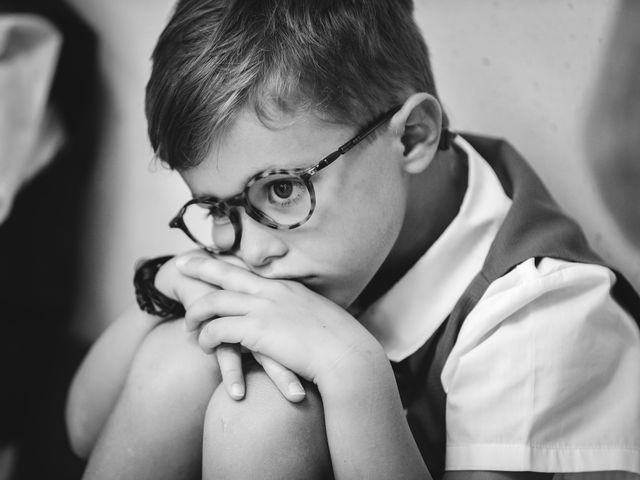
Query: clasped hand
column 288, row 328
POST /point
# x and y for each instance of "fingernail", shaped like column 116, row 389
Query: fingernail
column 237, row 390
column 295, row 389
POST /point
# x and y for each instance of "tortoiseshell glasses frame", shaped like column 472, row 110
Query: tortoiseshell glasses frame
column 227, row 208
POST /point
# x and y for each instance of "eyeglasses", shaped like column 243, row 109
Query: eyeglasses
column 278, row 199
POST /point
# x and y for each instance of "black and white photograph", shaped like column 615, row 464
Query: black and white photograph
column 320, row 239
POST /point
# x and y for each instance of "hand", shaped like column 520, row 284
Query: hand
column 280, row 319
column 172, row 283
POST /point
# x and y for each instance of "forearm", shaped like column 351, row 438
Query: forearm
column 367, row 431
column 101, row 377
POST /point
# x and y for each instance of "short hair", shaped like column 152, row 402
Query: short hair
column 347, row 60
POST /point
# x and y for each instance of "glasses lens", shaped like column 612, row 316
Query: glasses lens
column 209, row 226
column 283, row 198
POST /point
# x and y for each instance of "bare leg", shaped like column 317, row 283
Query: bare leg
column 265, row 436
column 155, row 430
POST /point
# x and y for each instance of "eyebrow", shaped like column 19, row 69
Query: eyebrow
column 364, row 134
column 248, row 178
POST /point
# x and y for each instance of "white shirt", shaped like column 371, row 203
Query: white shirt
column 545, row 374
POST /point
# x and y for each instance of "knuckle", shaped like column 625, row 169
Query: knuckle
column 201, row 307
column 260, row 324
column 263, row 304
column 219, row 267
column 207, row 338
column 211, row 299
column 252, row 342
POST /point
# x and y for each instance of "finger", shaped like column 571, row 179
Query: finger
column 284, row 379
column 228, row 330
column 232, row 259
column 219, row 303
column 222, row 274
column 230, row 363
column 188, row 290
column 177, row 286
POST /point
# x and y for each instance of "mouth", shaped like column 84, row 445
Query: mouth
column 300, row 279
column 309, row 281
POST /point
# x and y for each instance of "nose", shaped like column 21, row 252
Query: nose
column 259, row 245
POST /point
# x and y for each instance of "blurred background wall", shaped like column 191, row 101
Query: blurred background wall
column 527, row 71
column 133, row 197
column 520, row 70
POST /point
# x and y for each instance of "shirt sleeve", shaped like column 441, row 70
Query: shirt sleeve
column 545, row 376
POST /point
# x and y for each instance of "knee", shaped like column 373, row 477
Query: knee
column 264, row 435
column 170, row 365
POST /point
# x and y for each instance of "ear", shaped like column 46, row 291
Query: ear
column 418, row 125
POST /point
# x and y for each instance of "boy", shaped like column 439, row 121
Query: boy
column 444, row 255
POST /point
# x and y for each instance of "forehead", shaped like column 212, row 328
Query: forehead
column 251, row 146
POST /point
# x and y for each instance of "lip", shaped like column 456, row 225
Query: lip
column 293, row 278
column 306, row 280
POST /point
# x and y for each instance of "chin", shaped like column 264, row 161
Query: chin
column 340, row 296
column 338, row 290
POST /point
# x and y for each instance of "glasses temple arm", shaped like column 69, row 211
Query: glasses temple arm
column 446, row 135
column 369, row 130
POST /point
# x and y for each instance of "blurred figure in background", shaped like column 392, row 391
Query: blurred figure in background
column 30, row 129
column 47, row 140
column 613, row 126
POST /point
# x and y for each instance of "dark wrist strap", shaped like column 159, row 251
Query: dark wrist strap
column 149, row 298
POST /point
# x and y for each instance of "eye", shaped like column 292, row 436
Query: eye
column 282, row 189
column 285, row 192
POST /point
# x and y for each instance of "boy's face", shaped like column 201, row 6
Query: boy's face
column 361, row 200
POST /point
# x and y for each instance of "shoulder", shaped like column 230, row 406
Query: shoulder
column 561, row 307
column 538, row 364
column 564, row 295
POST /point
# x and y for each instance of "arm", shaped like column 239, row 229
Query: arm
column 371, row 412
column 367, row 433
column 366, row 430
column 101, row 376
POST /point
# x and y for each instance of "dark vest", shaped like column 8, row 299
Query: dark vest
column 534, row 227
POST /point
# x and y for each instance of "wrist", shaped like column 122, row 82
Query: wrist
column 149, row 298
column 165, row 278
column 362, row 373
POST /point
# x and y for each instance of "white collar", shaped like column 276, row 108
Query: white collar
column 412, row 310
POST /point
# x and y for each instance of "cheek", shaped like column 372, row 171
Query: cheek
column 355, row 233
column 374, row 210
